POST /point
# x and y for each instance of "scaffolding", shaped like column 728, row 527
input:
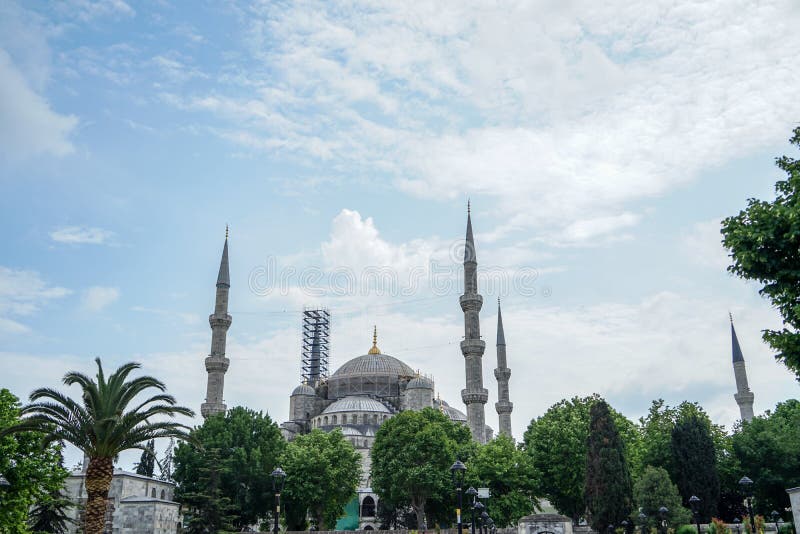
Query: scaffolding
column 316, row 345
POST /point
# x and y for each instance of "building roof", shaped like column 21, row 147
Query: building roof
column 737, row 350
column 420, row 383
column 304, row 389
column 373, row 364
column 356, row 404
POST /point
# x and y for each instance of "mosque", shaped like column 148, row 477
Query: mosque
column 371, row 388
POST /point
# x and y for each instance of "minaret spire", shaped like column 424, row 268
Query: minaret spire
column 502, row 374
column 216, row 363
column 474, row 395
column 744, row 397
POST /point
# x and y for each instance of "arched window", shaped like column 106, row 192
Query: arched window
column 375, row 419
column 368, row 507
column 354, row 419
column 163, row 495
column 153, row 493
column 325, row 420
column 334, row 419
column 368, row 527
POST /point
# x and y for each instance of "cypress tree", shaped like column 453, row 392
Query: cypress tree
column 608, row 489
column 147, row 462
column 694, row 464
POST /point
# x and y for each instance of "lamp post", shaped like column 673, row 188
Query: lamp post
column 643, row 521
column 662, row 513
column 485, row 522
column 738, row 523
column 278, row 479
column 472, row 493
column 776, row 518
column 458, row 469
column 478, row 508
column 4, row 483
column 694, row 503
column 610, row 529
column 625, row 524
column 747, row 490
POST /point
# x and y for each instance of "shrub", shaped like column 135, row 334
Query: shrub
column 686, row 529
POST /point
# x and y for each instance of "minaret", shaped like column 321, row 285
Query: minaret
column 502, row 374
column 474, row 395
column 744, row 397
column 220, row 321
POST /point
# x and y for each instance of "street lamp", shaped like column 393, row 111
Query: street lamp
column 4, row 483
column 625, row 524
column 738, row 523
column 776, row 518
column 458, row 469
column 610, row 529
column 747, row 490
column 662, row 512
column 473, row 493
column 643, row 521
column 694, row 503
column 278, row 479
column 478, row 508
column 485, row 522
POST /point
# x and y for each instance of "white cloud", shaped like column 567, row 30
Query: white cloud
column 29, row 126
column 97, row 298
column 81, row 235
column 24, row 292
column 89, row 10
column 702, row 244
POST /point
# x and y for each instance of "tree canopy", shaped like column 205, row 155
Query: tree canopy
column 557, row 442
column 322, row 475
column 34, row 473
column 411, row 460
column 653, row 490
column 764, row 244
column 247, row 445
column 508, row 473
column 608, row 490
column 694, row 463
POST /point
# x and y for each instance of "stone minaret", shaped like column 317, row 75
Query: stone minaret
column 502, row 374
column 220, row 321
column 744, row 397
column 474, row 395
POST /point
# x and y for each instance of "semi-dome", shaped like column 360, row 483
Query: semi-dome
column 420, row 383
column 356, row 404
column 303, row 389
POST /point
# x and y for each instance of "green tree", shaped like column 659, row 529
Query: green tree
column 768, row 446
column 102, row 426
column 33, row 472
column 411, row 459
column 508, row 473
column 557, row 443
column 764, row 244
column 322, row 474
column 147, row 462
column 208, row 509
column 653, row 490
column 609, row 497
column 50, row 514
column 694, row 463
column 248, row 445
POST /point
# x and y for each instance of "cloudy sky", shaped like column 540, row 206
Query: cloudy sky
column 600, row 143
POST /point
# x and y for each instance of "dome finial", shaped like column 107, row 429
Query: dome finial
column 374, row 349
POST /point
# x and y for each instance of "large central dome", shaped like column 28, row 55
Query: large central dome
column 371, row 374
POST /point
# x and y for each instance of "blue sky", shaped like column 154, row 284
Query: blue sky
column 600, row 145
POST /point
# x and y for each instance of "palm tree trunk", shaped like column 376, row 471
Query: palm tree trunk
column 98, row 482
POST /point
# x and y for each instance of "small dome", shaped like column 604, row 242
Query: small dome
column 420, row 383
column 304, row 389
column 373, row 364
column 455, row 415
column 356, row 404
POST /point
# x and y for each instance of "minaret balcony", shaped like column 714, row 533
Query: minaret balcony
column 470, row 301
column 473, row 346
column 219, row 320
column 502, row 373
column 475, row 395
column 504, row 407
column 217, row 364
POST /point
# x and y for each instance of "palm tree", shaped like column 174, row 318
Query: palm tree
column 101, row 427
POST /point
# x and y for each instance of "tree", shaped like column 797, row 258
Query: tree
column 147, row 462
column 557, row 443
column 49, row 515
column 694, row 463
column 209, row 510
column 653, row 490
column 609, row 498
column 764, row 244
column 33, row 472
column 768, row 447
column 248, row 445
column 508, row 473
column 411, row 459
column 322, row 474
column 100, row 426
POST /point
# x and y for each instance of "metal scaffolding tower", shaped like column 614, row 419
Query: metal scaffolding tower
column 316, row 345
